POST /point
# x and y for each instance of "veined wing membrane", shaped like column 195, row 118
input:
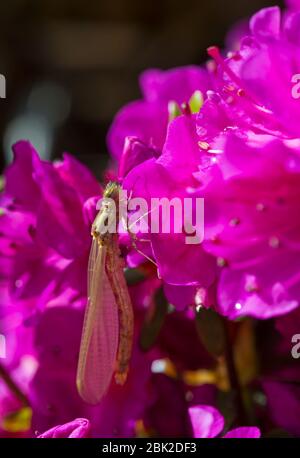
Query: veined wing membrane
column 99, row 341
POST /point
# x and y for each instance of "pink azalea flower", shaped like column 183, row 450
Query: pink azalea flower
column 228, row 154
column 254, row 233
column 48, row 210
column 43, row 213
column 170, row 175
column 207, row 422
column 240, row 153
column 44, row 318
column 255, row 83
column 148, row 118
column 76, row 429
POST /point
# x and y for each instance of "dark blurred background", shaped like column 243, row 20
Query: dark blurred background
column 71, row 64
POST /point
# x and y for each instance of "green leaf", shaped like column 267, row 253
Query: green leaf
column 196, row 102
column 134, row 276
column 17, row 421
column 211, row 331
column 174, row 110
column 2, row 183
column 154, row 320
column 227, row 407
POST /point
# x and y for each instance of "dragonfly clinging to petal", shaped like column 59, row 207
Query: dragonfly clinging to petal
column 108, row 324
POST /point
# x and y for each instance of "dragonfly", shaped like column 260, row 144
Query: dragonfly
column 107, row 335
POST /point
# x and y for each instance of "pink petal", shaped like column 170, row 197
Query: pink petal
column 266, row 23
column 76, row 429
column 206, row 421
column 243, row 432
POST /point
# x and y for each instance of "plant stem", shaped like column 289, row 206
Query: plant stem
column 242, row 417
column 13, row 386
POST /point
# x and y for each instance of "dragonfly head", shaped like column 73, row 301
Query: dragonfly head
column 105, row 222
column 112, row 190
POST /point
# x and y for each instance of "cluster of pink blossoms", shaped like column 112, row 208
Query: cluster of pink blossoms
column 227, row 132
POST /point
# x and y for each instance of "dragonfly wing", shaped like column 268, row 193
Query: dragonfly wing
column 99, row 341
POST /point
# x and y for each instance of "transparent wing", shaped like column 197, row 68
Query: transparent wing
column 99, row 341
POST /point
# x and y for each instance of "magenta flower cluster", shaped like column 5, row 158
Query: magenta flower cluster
column 228, row 132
